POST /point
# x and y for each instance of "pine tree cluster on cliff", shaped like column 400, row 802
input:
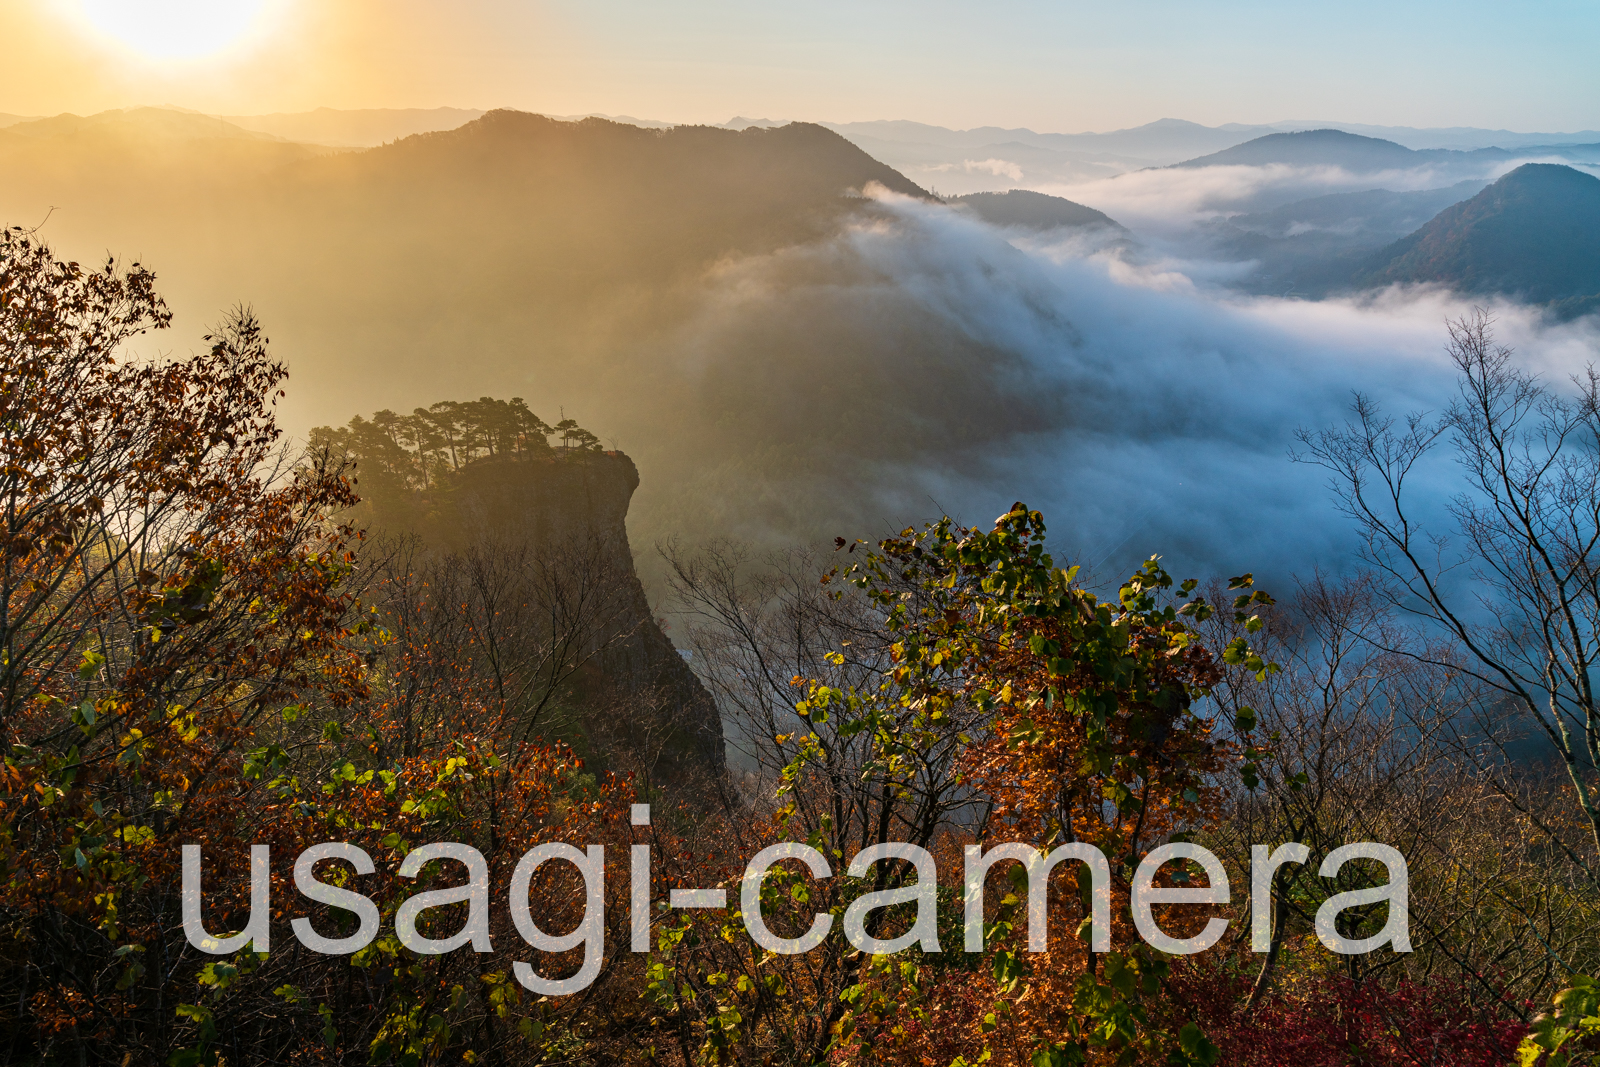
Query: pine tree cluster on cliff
column 421, row 450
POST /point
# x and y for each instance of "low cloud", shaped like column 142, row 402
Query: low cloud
column 921, row 363
column 1000, row 168
column 1162, row 202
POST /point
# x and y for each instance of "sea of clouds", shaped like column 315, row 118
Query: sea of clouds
column 923, row 362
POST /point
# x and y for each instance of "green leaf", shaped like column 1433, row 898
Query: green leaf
column 90, row 665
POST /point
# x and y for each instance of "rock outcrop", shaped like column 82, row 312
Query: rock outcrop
column 639, row 697
column 583, row 496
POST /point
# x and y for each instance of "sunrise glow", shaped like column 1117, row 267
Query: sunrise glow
column 173, row 29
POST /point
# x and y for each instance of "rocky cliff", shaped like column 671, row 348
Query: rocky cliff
column 639, row 698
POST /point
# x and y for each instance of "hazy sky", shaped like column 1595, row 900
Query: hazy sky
column 1045, row 64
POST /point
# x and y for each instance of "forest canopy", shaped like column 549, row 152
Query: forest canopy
column 418, row 450
column 198, row 651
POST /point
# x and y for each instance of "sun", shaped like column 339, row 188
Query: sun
column 174, row 29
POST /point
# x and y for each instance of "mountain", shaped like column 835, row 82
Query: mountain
column 12, row 120
column 124, row 166
column 1168, row 141
column 1353, row 152
column 1033, row 211
column 136, row 124
column 1310, row 247
column 1327, row 148
column 1155, row 143
column 696, row 296
column 740, row 122
column 370, row 127
column 1172, row 138
column 1462, row 138
column 357, row 128
column 987, row 158
column 1534, row 234
column 591, row 202
column 1372, row 211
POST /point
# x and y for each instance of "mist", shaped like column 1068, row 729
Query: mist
column 1163, row 203
column 783, row 364
column 922, row 363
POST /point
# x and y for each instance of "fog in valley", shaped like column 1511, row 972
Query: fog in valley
column 792, row 340
column 428, row 529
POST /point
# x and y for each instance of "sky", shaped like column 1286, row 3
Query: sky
column 1043, row 64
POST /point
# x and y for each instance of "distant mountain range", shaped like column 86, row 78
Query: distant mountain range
column 693, row 291
column 1372, row 211
column 1534, row 234
column 1356, row 153
column 367, row 128
column 1531, row 233
column 1161, row 138
column 984, row 158
column 359, row 128
column 1166, row 136
column 1312, row 247
column 144, row 124
column 724, row 301
column 991, row 158
column 1461, row 138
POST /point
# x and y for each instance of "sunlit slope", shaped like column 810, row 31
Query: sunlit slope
column 691, row 294
column 514, row 244
column 151, row 126
column 1534, row 234
column 597, row 196
column 147, row 171
column 362, row 128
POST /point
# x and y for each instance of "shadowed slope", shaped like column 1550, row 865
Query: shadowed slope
column 1034, row 211
column 1535, row 233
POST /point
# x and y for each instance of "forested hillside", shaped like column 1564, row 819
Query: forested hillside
column 1034, row 211
column 580, row 264
column 553, row 242
column 1534, row 234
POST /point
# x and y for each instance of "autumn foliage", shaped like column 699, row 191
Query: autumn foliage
column 197, row 651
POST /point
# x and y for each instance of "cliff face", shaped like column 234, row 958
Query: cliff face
column 637, row 693
column 545, row 499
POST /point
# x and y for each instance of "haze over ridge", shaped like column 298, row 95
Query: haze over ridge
column 783, row 361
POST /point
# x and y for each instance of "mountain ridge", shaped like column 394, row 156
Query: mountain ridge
column 1534, row 234
column 1032, row 210
column 164, row 122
